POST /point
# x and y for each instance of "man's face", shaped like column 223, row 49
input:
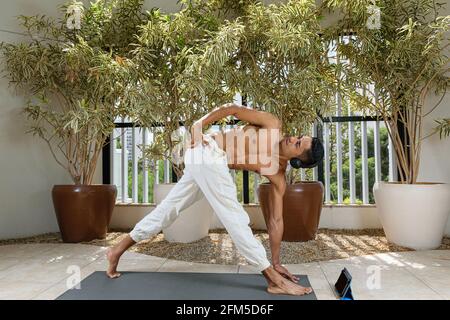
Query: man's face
column 295, row 146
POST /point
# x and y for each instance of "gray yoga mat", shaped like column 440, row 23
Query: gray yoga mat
column 178, row 286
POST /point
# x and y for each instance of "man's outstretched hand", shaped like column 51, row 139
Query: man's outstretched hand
column 197, row 136
column 285, row 273
column 197, row 140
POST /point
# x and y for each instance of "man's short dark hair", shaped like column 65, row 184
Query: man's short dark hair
column 314, row 154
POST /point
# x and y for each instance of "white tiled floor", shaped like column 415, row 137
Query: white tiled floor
column 43, row 271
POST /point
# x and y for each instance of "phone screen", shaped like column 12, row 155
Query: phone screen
column 342, row 283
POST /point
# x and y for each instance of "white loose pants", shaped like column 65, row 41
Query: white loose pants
column 206, row 173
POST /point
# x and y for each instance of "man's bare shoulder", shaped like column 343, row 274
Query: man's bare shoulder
column 278, row 179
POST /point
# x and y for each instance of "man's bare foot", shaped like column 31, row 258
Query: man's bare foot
column 113, row 259
column 279, row 285
column 295, row 290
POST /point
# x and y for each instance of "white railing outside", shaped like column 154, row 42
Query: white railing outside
column 137, row 186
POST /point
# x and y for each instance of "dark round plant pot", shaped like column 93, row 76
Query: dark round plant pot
column 83, row 211
column 302, row 205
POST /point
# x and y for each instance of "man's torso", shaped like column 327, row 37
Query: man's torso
column 251, row 148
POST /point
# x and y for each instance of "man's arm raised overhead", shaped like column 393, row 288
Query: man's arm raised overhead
column 256, row 117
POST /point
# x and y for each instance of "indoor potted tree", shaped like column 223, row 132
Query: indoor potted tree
column 276, row 58
column 168, row 47
column 402, row 60
column 76, row 80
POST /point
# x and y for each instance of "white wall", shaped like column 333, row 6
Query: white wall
column 333, row 217
column 27, row 169
column 435, row 159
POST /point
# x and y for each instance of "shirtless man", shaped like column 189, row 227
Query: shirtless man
column 257, row 147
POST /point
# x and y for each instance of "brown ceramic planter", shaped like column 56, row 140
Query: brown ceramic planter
column 302, row 205
column 83, row 211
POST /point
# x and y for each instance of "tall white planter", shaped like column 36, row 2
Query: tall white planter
column 192, row 224
column 413, row 215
